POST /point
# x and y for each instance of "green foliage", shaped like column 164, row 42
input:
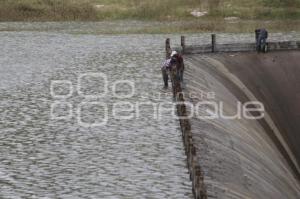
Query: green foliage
column 282, row 3
column 46, row 10
column 166, row 10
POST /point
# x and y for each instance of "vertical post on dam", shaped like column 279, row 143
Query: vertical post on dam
column 168, row 48
column 213, row 43
column 256, row 35
column 198, row 186
column 183, row 43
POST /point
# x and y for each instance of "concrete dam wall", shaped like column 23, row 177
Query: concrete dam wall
column 244, row 158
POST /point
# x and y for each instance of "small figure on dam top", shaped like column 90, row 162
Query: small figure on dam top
column 261, row 36
column 174, row 62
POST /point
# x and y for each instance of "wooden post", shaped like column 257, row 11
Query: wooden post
column 197, row 183
column 183, row 43
column 213, row 43
column 256, row 34
column 168, row 48
column 190, row 150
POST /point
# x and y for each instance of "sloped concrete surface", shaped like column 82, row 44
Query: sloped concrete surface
column 244, row 158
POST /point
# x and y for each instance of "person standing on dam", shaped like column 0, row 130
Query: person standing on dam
column 175, row 62
column 261, row 36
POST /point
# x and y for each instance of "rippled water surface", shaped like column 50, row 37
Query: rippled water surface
column 46, row 153
column 44, row 156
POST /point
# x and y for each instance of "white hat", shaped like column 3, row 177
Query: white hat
column 173, row 53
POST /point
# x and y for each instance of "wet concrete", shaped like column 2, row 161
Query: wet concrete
column 274, row 80
column 244, row 158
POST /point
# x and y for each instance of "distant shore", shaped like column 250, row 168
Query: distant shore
column 153, row 27
column 169, row 15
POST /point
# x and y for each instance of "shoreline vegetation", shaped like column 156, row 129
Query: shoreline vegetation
column 177, row 15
